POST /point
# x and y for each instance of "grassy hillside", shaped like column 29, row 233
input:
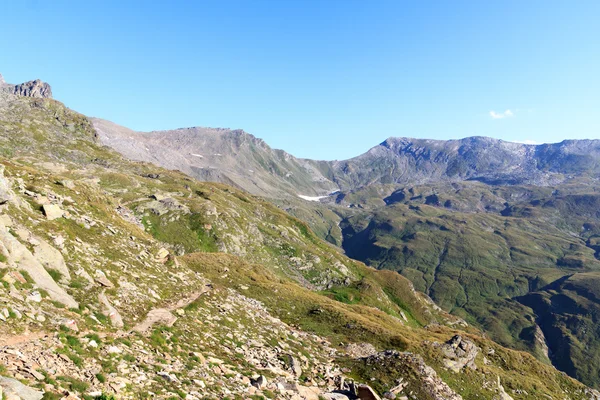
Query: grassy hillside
column 476, row 249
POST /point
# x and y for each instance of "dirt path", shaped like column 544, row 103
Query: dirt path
column 19, row 339
column 164, row 315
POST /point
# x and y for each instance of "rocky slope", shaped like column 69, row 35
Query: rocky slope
column 236, row 157
column 124, row 279
column 221, row 155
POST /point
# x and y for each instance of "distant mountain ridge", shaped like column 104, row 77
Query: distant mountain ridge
column 221, row 155
column 494, row 161
column 239, row 158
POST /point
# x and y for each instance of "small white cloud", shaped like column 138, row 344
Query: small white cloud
column 505, row 114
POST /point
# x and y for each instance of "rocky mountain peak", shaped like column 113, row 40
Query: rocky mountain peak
column 35, row 88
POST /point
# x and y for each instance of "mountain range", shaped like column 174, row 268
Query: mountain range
column 493, row 231
column 184, row 264
column 239, row 158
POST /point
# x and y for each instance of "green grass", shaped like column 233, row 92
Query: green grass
column 55, row 274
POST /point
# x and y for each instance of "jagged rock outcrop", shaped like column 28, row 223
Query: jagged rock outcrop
column 415, row 376
column 35, row 88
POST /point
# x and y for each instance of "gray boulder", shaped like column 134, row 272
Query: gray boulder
column 14, row 389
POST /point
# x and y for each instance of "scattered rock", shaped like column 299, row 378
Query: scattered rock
column 34, row 296
column 162, row 254
column 103, row 280
column 293, row 365
column 360, row 350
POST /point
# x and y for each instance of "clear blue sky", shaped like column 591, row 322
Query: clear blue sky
column 323, row 79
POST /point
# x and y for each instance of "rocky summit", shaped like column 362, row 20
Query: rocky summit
column 123, row 279
column 35, row 88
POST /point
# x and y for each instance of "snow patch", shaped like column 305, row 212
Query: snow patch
column 197, row 155
column 312, row 198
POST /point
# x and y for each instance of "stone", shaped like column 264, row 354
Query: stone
column 162, row 254
column 114, row 350
column 259, row 382
column 459, row 352
column 6, row 192
column 308, row 393
column 334, row 396
column 69, row 184
column 52, row 211
column 15, row 389
column 293, row 365
column 6, row 220
column 115, row 317
column 35, row 374
column 35, row 296
column 101, row 279
column 360, row 350
column 502, row 395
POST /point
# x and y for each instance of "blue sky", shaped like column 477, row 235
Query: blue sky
column 324, row 79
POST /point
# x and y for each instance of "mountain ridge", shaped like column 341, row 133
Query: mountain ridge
column 396, row 160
